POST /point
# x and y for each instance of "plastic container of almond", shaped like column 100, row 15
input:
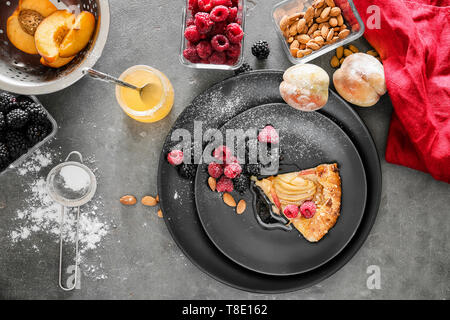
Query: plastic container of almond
column 213, row 33
column 309, row 29
column 25, row 125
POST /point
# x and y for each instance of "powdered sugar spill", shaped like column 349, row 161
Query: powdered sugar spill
column 40, row 216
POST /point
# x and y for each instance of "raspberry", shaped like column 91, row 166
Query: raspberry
column 192, row 34
column 222, row 153
column 234, row 33
column 234, row 3
column 203, row 22
column 215, row 170
column 224, row 185
column 219, row 13
column 232, row 61
column 308, row 209
column 190, row 22
column 204, row 49
column 234, row 50
column 193, row 5
column 175, row 157
column 205, row 5
column 291, row 211
column 226, row 3
column 191, row 55
column 232, row 170
column 268, row 135
column 220, row 43
column 232, row 14
column 219, row 28
column 218, row 58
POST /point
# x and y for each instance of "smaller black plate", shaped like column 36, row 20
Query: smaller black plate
column 307, row 140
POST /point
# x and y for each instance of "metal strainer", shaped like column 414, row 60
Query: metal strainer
column 23, row 74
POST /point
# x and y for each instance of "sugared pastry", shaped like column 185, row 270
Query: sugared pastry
column 360, row 80
column 310, row 199
column 305, row 87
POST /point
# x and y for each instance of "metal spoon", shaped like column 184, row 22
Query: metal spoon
column 143, row 91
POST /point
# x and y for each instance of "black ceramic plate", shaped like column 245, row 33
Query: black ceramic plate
column 216, row 106
column 306, row 140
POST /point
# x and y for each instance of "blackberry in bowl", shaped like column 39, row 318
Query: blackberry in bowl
column 25, row 125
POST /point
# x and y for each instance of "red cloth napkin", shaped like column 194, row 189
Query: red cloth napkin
column 414, row 44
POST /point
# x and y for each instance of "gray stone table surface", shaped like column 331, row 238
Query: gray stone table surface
column 138, row 258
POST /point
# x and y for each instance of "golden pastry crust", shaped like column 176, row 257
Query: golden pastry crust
column 327, row 197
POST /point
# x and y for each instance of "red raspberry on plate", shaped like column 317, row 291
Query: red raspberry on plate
column 232, row 14
column 220, row 43
column 219, row 13
column 205, row 5
column 204, row 49
column 268, row 135
column 226, row 3
column 224, row 185
column 218, row 58
column 190, row 22
column 234, row 50
column 191, row 33
column 203, row 22
column 215, row 170
column 191, row 55
column 175, row 157
column 308, row 209
column 234, row 33
column 291, row 211
column 222, row 153
column 232, row 170
column 219, row 28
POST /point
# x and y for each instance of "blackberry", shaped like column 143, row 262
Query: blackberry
column 16, row 143
column 36, row 113
column 187, row 171
column 242, row 69
column 261, row 49
column 2, row 122
column 8, row 102
column 241, row 183
column 17, row 118
column 253, row 169
column 23, row 104
column 36, row 133
column 4, row 156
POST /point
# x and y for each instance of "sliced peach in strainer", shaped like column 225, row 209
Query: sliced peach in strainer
column 22, row 24
column 51, row 32
column 80, row 34
column 58, row 63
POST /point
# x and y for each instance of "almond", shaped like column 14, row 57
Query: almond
column 339, row 52
column 128, row 200
column 318, row 3
column 295, row 44
column 303, row 38
column 317, row 12
column 344, row 33
column 347, row 52
column 340, row 20
column 229, row 200
column 353, row 48
column 372, row 53
column 284, row 23
column 301, row 25
column 312, row 45
column 309, row 14
column 324, row 31
column 334, row 62
column 330, row 3
column 212, row 183
column 296, row 16
column 149, row 201
column 335, row 11
column 333, row 22
column 293, row 30
column 325, row 13
column 330, row 35
column 313, row 28
column 241, row 206
column 160, row 214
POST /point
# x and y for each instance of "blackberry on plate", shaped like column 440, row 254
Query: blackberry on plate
column 37, row 132
column 4, row 156
column 2, row 122
column 36, row 113
column 17, row 118
column 187, row 171
column 16, row 143
column 8, row 102
column 253, row 169
column 261, row 49
column 242, row 69
column 241, row 183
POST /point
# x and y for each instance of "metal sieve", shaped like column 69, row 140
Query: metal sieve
column 23, row 74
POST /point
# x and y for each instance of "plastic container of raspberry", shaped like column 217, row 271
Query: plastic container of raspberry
column 184, row 43
column 348, row 10
column 16, row 163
